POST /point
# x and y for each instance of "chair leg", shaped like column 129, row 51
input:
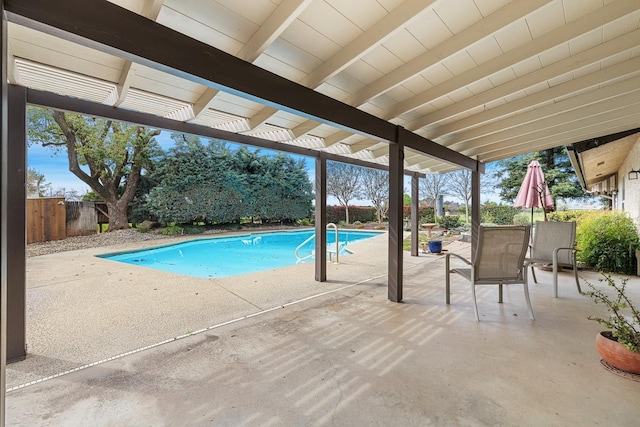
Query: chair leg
column 526, row 296
column 447, row 282
column 475, row 303
column 500, row 293
column 555, row 272
column 533, row 273
column 555, row 280
column 575, row 272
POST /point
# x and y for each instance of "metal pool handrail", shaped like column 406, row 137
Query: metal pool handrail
column 337, row 251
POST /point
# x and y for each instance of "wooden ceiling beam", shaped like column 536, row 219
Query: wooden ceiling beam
column 560, row 35
column 467, row 37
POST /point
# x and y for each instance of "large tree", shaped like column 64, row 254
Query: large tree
column 558, row 173
column 375, row 187
column 343, row 183
column 207, row 182
column 196, row 182
column 432, row 186
column 36, row 183
column 460, row 186
column 114, row 154
column 278, row 187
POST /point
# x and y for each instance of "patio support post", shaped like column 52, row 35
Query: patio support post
column 321, row 219
column 475, row 207
column 16, row 227
column 4, row 178
column 415, row 227
column 396, row 196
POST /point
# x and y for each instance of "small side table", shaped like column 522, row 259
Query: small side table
column 429, row 227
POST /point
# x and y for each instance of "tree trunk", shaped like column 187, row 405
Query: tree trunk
column 466, row 211
column 346, row 213
column 118, row 219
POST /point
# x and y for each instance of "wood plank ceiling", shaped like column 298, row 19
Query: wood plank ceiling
column 490, row 79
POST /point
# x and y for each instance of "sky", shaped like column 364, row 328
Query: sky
column 55, row 168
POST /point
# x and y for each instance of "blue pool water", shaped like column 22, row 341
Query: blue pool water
column 230, row 256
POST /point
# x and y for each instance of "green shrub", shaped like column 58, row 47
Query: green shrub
column 624, row 318
column 566, row 216
column 193, row 229
column 426, row 214
column 522, row 218
column 336, row 214
column 498, row 214
column 142, row 228
column 304, row 221
column 172, row 230
column 449, row 222
column 607, row 241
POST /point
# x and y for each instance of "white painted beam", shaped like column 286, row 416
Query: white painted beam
column 382, row 30
column 261, row 117
column 562, row 34
column 476, row 32
column 304, row 128
column 203, row 103
column 575, row 127
column 151, row 9
column 561, row 90
column 380, row 152
column 279, row 20
column 590, row 56
column 619, row 125
column 336, row 137
column 124, row 83
column 621, row 93
column 13, row 75
column 363, row 144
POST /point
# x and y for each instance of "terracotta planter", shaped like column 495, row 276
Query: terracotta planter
column 616, row 354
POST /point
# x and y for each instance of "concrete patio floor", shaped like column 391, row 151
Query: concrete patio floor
column 278, row 348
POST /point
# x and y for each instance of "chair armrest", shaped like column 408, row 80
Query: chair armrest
column 449, row 255
column 556, row 250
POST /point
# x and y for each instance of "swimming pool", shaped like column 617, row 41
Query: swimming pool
column 218, row 257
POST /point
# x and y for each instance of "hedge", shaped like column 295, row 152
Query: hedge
column 336, row 214
column 566, row 216
column 497, row 214
column 607, row 242
column 425, row 214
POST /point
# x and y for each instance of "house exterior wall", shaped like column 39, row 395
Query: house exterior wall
column 628, row 198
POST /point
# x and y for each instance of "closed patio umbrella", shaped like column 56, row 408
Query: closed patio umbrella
column 534, row 191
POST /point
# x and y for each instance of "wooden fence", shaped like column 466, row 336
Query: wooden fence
column 46, row 219
column 82, row 218
column 56, row 219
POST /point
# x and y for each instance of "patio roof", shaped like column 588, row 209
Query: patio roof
column 486, row 79
column 597, row 160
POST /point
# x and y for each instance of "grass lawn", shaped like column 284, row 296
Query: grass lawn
column 406, row 244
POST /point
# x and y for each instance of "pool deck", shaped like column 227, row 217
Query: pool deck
column 278, row 348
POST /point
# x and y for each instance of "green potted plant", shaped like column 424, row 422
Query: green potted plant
column 620, row 345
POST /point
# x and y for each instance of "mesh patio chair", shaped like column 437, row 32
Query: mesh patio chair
column 499, row 260
column 554, row 243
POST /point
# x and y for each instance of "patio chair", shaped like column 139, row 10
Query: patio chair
column 499, row 260
column 554, row 243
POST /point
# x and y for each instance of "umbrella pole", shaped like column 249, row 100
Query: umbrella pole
column 531, row 216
